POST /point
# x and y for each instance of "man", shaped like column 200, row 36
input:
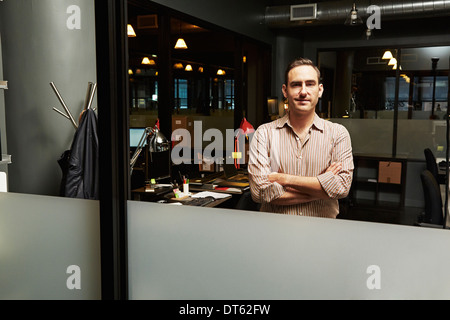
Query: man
column 301, row 164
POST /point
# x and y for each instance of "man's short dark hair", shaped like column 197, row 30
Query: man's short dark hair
column 300, row 62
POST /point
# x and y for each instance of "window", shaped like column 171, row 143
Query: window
column 229, row 94
column 181, row 93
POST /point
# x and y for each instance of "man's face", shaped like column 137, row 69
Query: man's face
column 302, row 90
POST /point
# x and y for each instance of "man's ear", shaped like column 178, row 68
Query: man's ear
column 320, row 90
column 283, row 88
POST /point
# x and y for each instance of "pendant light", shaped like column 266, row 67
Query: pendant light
column 148, row 61
column 130, row 31
column 392, row 62
column 353, row 19
column 181, row 44
column 387, row 55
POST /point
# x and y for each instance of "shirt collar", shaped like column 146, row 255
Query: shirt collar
column 317, row 122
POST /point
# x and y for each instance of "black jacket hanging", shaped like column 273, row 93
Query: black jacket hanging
column 82, row 178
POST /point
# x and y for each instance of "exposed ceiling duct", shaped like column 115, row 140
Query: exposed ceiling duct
column 335, row 12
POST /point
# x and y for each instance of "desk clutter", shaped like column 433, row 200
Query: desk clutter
column 171, row 194
column 188, row 185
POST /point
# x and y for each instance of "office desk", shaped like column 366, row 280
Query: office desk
column 166, row 196
column 143, row 193
column 230, row 190
column 185, row 201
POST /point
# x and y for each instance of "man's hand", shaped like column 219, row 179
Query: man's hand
column 281, row 178
column 335, row 167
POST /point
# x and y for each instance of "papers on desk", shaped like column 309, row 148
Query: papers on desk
column 215, row 195
column 163, row 185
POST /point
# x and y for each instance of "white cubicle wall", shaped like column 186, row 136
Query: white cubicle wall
column 49, row 248
column 209, row 253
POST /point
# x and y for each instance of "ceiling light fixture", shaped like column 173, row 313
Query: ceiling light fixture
column 353, row 19
column 387, row 55
column 148, row 61
column 220, row 72
column 392, row 62
column 178, row 65
column 181, row 44
column 130, row 31
column 188, row 68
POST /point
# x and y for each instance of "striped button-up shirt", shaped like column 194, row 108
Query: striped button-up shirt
column 275, row 147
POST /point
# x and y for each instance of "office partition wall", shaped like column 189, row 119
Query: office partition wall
column 221, row 254
column 49, row 248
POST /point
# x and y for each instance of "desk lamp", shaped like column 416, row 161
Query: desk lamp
column 247, row 129
column 154, row 139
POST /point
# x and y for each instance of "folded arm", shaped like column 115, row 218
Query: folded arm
column 301, row 189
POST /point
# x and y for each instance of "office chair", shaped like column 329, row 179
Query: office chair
column 432, row 166
column 433, row 215
column 246, row 202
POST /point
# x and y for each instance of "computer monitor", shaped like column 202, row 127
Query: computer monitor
column 135, row 136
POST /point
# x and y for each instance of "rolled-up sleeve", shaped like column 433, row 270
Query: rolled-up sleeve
column 262, row 190
column 338, row 186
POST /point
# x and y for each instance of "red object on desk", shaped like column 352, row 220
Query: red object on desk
column 221, row 188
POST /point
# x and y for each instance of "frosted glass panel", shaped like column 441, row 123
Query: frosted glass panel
column 206, row 253
column 369, row 136
column 49, row 248
column 416, row 135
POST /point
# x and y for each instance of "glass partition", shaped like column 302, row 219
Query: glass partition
column 209, row 85
column 49, row 248
column 144, row 66
column 222, row 254
column 424, row 79
column 380, row 132
column 406, row 93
